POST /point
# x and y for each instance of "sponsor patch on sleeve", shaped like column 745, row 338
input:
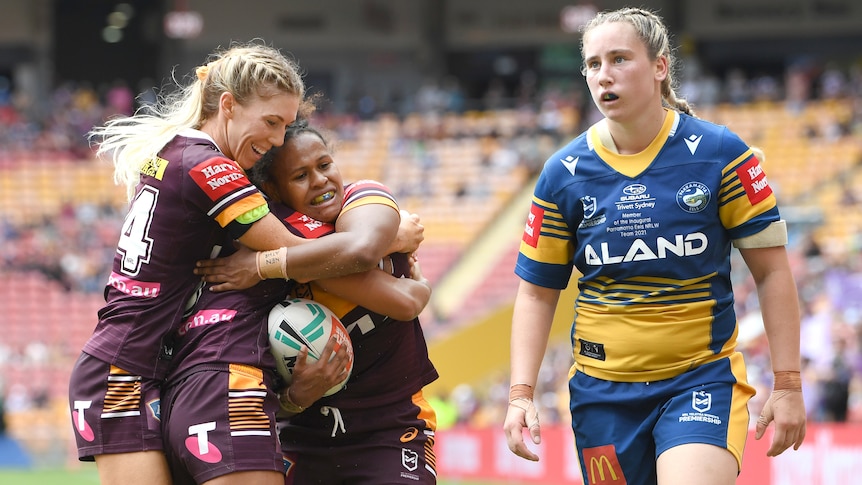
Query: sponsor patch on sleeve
column 753, row 180
column 534, row 225
column 218, row 177
column 309, row 227
column 155, row 168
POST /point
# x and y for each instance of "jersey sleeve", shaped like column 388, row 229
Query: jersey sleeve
column 747, row 204
column 546, row 252
column 364, row 192
column 227, row 195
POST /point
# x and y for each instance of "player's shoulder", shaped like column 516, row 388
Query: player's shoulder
column 689, row 125
column 192, row 146
column 573, row 161
column 366, row 189
column 366, row 185
column 708, row 138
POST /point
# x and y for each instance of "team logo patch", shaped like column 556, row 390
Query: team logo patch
column 753, row 180
column 701, row 404
column 410, row 459
column 701, row 401
column 534, row 225
column 288, row 465
column 693, row 197
column 155, row 407
column 589, row 206
column 218, row 177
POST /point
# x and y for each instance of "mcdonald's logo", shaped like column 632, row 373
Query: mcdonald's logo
column 602, row 466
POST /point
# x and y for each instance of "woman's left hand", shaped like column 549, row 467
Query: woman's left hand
column 787, row 409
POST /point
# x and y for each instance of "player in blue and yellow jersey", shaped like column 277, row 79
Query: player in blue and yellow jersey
column 183, row 163
column 646, row 205
column 379, row 428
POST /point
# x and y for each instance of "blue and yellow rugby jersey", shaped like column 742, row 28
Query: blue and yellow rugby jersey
column 653, row 246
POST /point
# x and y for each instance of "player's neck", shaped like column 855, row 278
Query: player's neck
column 633, row 137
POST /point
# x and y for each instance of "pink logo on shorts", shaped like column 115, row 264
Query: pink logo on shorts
column 199, row 445
column 82, row 427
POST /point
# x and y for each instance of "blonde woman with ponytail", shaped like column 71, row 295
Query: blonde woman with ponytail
column 646, row 205
column 183, row 163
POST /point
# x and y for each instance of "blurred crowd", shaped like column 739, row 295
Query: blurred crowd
column 75, row 247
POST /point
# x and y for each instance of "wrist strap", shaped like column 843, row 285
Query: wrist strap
column 272, row 264
column 787, row 380
column 520, row 391
column 288, row 404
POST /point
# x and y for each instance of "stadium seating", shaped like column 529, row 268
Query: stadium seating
column 443, row 168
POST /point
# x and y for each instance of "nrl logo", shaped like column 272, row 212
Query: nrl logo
column 701, row 401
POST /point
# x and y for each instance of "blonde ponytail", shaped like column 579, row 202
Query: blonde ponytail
column 241, row 70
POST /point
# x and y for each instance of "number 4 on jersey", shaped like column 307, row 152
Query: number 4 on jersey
column 135, row 244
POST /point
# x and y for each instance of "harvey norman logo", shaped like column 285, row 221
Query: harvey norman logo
column 218, row 177
column 220, row 174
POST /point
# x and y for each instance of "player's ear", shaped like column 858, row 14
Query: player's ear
column 226, row 104
column 661, row 68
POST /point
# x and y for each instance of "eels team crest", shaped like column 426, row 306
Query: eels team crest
column 693, row 197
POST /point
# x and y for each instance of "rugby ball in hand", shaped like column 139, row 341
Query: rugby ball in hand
column 296, row 322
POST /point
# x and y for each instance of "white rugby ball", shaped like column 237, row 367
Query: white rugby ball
column 298, row 321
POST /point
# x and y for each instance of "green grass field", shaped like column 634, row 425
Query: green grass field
column 87, row 475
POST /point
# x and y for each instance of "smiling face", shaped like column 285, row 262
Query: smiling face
column 306, row 179
column 623, row 80
column 257, row 125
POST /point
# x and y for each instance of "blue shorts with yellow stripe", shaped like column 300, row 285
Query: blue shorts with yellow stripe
column 622, row 427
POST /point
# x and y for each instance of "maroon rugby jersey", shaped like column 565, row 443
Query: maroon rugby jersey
column 391, row 360
column 228, row 327
column 184, row 208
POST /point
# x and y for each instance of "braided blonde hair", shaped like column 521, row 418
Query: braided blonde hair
column 243, row 70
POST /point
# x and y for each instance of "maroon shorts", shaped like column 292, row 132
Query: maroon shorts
column 112, row 410
column 393, row 445
column 220, row 421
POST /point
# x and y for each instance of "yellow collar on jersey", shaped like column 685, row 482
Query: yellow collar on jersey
column 634, row 164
